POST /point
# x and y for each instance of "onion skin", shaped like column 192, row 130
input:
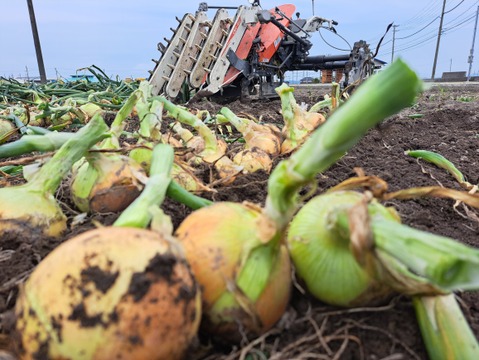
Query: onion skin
column 106, row 183
column 109, row 293
column 322, row 256
column 217, row 241
column 28, row 214
column 253, row 160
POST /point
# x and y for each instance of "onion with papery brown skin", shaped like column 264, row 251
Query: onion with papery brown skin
column 244, row 274
column 184, row 175
column 261, row 142
column 106, row 182
column 253, row 160
column 206, row 147
column 266, row 137
column 109, row 293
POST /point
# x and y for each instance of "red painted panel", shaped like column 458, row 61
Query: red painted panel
column 271, row 36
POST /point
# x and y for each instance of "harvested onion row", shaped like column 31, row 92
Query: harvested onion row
column 114, row 291
column 237, row 251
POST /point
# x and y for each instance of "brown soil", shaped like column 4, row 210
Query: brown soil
column 310, row 329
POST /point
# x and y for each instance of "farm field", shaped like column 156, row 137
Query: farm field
column 444, row 119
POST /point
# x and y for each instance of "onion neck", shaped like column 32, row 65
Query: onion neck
column 382, row 95
column 185, row 117
column 51, row 174
column 424, row 262
column 240, row 124
column 117, row 125
column 138, row 213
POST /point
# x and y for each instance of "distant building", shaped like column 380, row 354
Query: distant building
column 453, row 76
column 306, row 80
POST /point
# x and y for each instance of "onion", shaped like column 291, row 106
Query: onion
column 322, row 256
column 114, row 292
column 245, row 275
column 253, row 160
column 109, row 293
column 265, row 137
column 106, row 182
column 236, row 250
column 206, row 147
column 299, row 123
column 32, row 208
column 6, row 130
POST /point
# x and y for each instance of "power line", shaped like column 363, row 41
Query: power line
column 408, row 36
column 426, row 40
column 448, row 11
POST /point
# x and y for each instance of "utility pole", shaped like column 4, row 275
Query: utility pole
column 438, row 41
column 312, row 4
column 36, row 40
column 471, row 55
column 394, row 41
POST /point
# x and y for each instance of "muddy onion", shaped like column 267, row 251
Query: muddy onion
column 31, row 208
column 245, row 282
column 106, row 182
column 109, row 293
column 322, row 255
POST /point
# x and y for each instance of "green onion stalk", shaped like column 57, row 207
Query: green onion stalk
column 60, row 116
column 115, row 290
column 51, row 141
column 443, row 163
column 444, row 328
column 298, row 123
column 150, row 115
column 238, row 252
column 211, row 150
column 31, row 207
column 106, row 180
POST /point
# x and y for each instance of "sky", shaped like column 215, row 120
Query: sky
column 121, row 37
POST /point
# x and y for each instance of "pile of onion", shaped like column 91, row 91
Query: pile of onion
column 114, row 292
column 237, row 251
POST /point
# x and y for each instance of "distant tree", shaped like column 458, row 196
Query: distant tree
column 316, row 81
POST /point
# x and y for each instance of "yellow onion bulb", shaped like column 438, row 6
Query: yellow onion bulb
column 303, row 125
column 322, row 256
column 222, row 242
column 253, row 160
column 28, row 211
column 7, row 130
column 109, row 293
column 265, row 137
column 106, row 183
column 184, row 175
